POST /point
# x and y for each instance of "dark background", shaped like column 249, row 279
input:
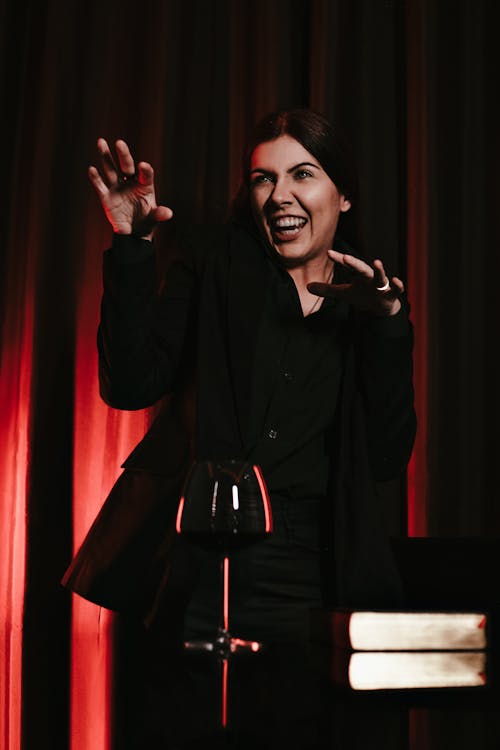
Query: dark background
column 414, row 87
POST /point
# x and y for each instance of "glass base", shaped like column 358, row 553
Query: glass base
column 224, row 645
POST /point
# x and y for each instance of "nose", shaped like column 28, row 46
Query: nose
column 281, row 194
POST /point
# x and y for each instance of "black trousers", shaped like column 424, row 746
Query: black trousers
column 272, row 583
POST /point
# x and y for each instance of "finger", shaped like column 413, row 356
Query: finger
column 382, row 281
column 336, row 256
column 379, row 277
column 161, row 213
column 97, row 181
column 126, row 162
column 320, row 289
column 145, row 173
column 395, row 282
column 108, row 164
column 358, row 265
column 350, row 261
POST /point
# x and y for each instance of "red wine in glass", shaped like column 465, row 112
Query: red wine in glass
column 225, row 506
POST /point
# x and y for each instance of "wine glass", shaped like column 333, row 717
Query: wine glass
column 225, row 506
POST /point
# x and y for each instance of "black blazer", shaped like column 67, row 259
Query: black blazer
column 191, row 344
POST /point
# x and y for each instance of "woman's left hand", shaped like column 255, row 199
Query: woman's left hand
column 370, row 289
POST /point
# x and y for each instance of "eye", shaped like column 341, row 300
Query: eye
column 302, row 174
column 260, row 178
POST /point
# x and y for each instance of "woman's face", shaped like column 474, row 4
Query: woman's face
column 294, row 202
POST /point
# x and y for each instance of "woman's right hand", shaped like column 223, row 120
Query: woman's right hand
column 127, row 194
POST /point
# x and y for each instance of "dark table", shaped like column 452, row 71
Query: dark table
column 285, row 697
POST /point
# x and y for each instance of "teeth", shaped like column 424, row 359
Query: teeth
column 289, row 221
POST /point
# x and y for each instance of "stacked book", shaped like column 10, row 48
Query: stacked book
column 398, row 650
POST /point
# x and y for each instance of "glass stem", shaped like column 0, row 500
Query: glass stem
column 225, row 593
column 224, row 681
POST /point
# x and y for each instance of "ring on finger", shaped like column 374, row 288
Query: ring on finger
column 384, row 288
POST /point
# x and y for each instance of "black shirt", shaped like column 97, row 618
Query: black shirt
column 297, row 372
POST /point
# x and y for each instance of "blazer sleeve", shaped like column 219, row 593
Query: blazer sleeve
column 385, row 372
column 144, row 331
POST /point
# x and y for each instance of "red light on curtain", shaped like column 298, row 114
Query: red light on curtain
column 91, row 673
column 15, row 386
column 418, row 248
column 103, row 438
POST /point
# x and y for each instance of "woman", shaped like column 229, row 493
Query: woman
column 295, row 353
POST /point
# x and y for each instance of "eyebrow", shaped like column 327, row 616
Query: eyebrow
column 292, row 169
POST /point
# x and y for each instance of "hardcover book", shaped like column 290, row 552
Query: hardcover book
column 391, row 630
column 406, row 670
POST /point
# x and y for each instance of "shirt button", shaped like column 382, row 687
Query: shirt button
column 288, row 376
column 273, row 434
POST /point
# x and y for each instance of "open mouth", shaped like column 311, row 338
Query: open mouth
column 286, row 228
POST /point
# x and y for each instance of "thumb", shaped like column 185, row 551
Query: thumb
column 161, row 213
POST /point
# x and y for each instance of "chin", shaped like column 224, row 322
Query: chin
column 292, row 257
column 292, row 261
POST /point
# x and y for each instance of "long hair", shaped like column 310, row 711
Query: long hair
column 318, row 136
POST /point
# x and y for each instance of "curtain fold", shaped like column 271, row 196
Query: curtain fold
column 412, row 85
column 417, row 242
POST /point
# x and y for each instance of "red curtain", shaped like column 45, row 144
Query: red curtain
column 183, row 83
column 417, row 249
column 102, row 439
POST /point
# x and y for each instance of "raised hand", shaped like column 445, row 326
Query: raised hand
column 370, row 289
column 127, row 193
